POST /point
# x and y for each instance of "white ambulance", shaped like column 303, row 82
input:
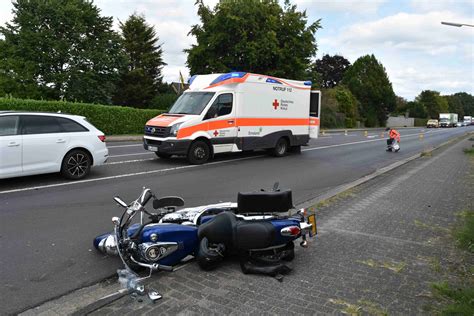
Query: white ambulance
column 236, row 112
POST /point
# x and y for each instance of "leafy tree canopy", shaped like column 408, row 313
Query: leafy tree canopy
column 466, row 100
column 433, row 103
column 339, row 108
column 253, row 35
column 369, row 82
column 59, row 49
column 416, row 109
column 330, row 70
column 141, row 79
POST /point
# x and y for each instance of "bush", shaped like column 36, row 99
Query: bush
column 420, row 122
column 163, row 101
column 111, row 120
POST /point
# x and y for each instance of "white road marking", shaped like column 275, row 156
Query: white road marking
column 189, row 166
column 126, row 161
column 364, row 141
column 126, row 175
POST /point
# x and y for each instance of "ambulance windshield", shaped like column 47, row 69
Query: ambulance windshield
column 191, row 103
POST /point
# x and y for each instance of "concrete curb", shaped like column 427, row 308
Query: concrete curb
column 94, row 297
column 123, row 138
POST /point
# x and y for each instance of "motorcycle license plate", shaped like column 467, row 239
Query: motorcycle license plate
column 312, row 221
column 152, row 148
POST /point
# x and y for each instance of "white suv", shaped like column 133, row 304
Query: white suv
column 36, row 143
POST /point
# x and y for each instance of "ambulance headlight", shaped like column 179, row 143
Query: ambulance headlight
column 174, row 129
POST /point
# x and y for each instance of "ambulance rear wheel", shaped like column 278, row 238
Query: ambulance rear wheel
column 198, row 153
column 281, row 148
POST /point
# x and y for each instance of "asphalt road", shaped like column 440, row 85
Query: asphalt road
column 47, row 224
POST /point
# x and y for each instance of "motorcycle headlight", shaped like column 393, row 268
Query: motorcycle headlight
column 175, row 128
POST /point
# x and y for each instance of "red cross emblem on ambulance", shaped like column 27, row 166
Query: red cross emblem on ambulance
column 275, row 104
column 215, row 133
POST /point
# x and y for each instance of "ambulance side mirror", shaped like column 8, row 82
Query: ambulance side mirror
column 211, row 113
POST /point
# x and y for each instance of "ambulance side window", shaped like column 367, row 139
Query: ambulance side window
column 221, row 106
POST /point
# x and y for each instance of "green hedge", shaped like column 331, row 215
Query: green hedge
column 163, row 101
column 112, row 120
column 420, row 121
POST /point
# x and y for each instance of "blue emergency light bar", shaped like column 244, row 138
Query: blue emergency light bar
column 229, row 75
column 270, row 80
column 190, row 80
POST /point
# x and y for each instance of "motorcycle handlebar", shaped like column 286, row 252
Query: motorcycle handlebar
column 164, row 268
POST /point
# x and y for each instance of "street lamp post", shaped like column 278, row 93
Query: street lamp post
column 456, row 24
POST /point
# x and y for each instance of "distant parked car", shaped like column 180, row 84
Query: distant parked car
column 432, row 123
column 37, row 143
column 459, row 124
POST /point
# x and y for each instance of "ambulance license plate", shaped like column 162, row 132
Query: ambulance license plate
column 312, row 221
column 152, row 148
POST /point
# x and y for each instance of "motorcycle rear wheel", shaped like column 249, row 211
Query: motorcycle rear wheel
column 286, row 253
column 209, row 256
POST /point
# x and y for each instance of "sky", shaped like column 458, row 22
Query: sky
column 406, row 36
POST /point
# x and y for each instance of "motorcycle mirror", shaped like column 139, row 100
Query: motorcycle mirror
column 275, row 186
column 145, row 197
column 120, row 202
column 168, row 201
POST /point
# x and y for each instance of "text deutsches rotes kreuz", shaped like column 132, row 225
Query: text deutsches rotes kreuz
column 284, row 104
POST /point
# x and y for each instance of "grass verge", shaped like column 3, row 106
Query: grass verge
column 469, row 151
column 459, row 299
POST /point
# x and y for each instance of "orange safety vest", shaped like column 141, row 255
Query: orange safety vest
column 394, row 134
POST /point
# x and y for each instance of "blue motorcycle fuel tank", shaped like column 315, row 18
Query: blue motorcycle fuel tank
column 184, row 236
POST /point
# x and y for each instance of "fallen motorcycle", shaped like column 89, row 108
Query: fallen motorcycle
column 169, row 235
column 259, row 232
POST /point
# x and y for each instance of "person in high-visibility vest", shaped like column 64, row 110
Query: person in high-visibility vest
column 393, row 135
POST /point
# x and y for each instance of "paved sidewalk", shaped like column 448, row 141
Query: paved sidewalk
column 379, row 248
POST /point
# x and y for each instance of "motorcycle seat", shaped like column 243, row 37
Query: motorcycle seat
column 264, row 202
column 237, row 234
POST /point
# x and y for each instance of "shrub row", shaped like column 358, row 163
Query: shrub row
column 163, row 101
column 112, row 120
column 420, row 121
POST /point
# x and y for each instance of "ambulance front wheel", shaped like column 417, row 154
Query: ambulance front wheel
column 199, row 152
column 281, row 148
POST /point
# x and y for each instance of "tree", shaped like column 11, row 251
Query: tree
column 464, row 101
column 140, row 81
column 433, row 102
column 255, row 36
column 59, row 49
column 454, row 105
column 330, row 70
column 368, row 81
column 416, row 109
column 338, row 108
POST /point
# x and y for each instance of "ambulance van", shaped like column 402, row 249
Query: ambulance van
column 236, row 112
